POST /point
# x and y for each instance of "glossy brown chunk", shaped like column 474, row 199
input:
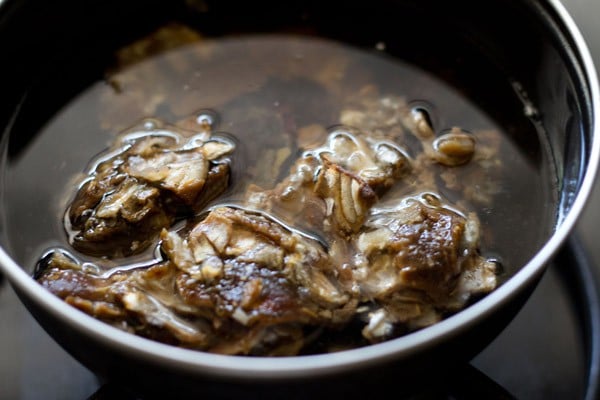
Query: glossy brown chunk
column 416, row 257
column 147, row 181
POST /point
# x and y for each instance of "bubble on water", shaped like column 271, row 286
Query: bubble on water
column 207, row 119
column 426, row 110
column 149, row 125
column 499, row 267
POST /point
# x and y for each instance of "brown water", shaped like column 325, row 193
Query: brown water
column 277, row 95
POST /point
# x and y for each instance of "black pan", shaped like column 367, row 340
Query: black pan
column 53, row 50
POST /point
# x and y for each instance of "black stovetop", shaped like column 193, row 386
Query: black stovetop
column 549, row 351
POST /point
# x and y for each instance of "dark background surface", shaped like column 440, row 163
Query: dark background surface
column 539, row 356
